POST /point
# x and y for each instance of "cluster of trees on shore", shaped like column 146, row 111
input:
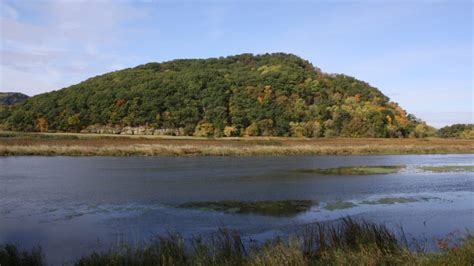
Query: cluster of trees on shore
column 463, row 131
column 243, row 95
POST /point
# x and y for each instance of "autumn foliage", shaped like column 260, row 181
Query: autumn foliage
column 243, row 95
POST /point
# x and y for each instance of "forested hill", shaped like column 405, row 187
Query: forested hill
column 9, row 98
column 243, row 95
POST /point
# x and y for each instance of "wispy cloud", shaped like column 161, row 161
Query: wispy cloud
column 63, row 43
column 8, row 11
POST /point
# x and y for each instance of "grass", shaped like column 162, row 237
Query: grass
column 70, row 144
column 339, row 205
column 348, row 242
column 270, row 208
column 448, row 168
column 391, row 200
column 11, row 255
column 354, row 170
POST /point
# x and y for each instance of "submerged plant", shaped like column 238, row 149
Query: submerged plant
column 392, row 200
column 266, row 207
column 448, row 168
column 354, row 170
column 337, row 205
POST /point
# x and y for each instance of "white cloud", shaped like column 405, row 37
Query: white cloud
column 17, row 80
column 441, row 119
column 7, row 11
column 62, row 44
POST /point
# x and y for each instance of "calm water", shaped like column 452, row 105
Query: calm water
column 73, row 205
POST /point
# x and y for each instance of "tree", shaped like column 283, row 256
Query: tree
column 297, row 129
column 312, row 129
column 265, row 127
column 74, row 122
column 41, row 124
column 455, row 131
column 204, row 129
column 467, row 134
column 251, row 130
column 230, row 131
column 423, row 130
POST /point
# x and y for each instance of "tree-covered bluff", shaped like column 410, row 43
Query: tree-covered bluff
column 244, row 95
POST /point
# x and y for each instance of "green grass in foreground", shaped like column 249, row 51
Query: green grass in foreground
column 266, row 207
column 348, row 242
column 448, row 168
column 354, row 170
column 11, row 255
column 390, row 200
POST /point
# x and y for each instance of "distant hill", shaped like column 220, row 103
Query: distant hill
column 9, row 98
column 244, row 95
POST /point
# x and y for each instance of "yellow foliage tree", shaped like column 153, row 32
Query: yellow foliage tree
column 251, row 130
column 297, row 129
column 230, row 131
column 204, row 129
column 468, row 134
column 312, row 129
column 423, row 130
column 41, row 124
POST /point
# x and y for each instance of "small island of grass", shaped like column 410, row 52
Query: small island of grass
column 270, row 208
column 354, row 170
column 447, row 168
column 390, row 201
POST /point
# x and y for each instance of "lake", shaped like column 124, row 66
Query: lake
column 73, row 205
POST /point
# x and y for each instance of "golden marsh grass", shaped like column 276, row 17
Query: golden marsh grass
column 116, row 145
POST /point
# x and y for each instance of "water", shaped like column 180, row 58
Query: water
column 73, row 205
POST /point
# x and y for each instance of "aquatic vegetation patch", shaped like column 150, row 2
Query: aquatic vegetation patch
column 266, row 207
column 391, row 200
column 354, row 170
column 5, row 211
column 71, row 216
column 338, row 205
column 447, row 168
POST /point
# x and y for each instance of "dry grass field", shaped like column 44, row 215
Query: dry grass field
column 13, row 143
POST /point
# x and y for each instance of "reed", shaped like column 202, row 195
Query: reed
column 12, row 143
column 347, row 242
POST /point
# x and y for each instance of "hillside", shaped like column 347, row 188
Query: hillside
column 243, row 95
column 9, row 98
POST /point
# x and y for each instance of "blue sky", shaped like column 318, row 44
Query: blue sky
column 419, row 53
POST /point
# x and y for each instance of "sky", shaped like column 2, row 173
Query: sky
column 419, row 53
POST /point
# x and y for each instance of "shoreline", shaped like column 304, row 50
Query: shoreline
column 80, row 144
